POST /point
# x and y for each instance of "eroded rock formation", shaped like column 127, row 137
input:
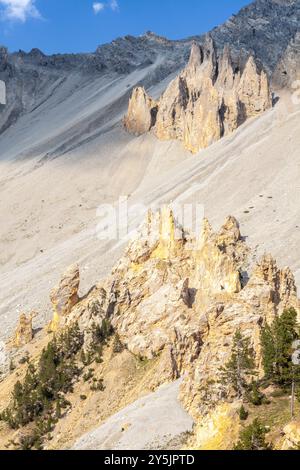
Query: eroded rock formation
column 179, row 299
column 142, row 112
column 182, row 298
column 208, row 100
column 65, row 295
column 24, row 330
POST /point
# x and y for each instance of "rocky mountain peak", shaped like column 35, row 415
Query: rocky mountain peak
column 196, row 56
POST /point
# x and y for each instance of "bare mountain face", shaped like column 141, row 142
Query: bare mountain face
column 62, row 142
column 175, row 303
column 64, row 112
column 33, row 78
column 264, row 28
column 287, row 71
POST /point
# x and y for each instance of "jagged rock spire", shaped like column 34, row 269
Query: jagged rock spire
column 230, row 232
column 141, row 113
column 196, row 56
column 65, row 296
column 210, row 57
column 24, row 330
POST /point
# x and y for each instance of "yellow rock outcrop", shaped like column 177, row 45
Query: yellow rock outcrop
column 65, row 296
column 291, row 436
column 24, row 330
column 141, row 113
column 219, row 430
column 208, row 100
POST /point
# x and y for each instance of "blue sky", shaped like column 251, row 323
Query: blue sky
column 80, row 25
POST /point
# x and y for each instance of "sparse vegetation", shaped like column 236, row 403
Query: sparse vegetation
column 243, row 413
column 40, row 398
column 253, row 437
column 99, row 336
column 47, row 382
column 118, row 347
column 97, row 385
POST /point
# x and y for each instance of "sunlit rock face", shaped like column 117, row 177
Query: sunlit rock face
column 208, row 100
column 24, row 330
column 65, row 296
column 181, row 299
column 141, row 114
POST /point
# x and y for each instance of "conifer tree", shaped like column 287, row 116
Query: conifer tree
column 241, row 364
column 276, row 342
column 253, row 437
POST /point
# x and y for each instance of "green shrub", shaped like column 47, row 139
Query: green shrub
column 254, row 395
column 89, row 375
column 97, row 385
column 253, row 437
column 243, row 413
column 100, row 334
column 118, row 347
column 24, row 359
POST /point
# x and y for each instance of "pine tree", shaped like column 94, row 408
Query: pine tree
column 253, row 437
column 43, row 385
column 254, row 395
column 241, row 364
column 276, row 341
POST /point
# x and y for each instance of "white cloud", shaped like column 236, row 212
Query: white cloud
column 114, row 5
column 97, row 7
column 100, row 6
column 19, row 10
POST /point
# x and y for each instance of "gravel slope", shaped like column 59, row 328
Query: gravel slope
column 156, row 421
